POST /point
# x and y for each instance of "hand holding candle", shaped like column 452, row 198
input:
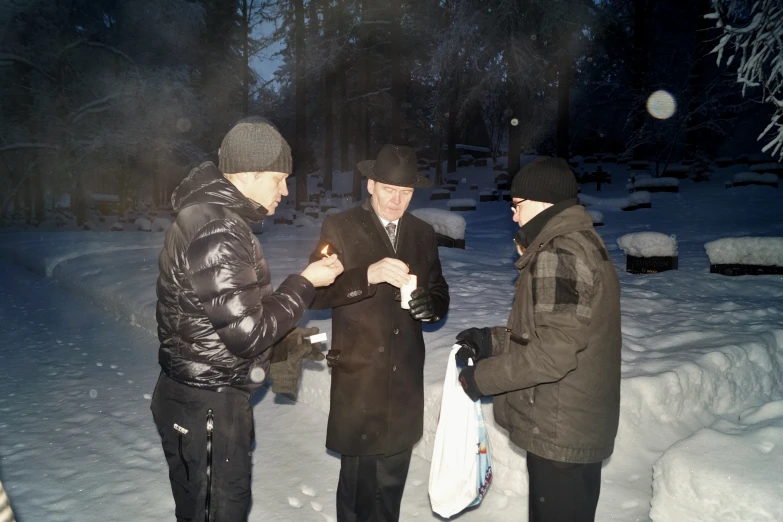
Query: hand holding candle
column 406, row 290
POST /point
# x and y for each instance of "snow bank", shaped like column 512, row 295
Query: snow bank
column 656, row 182
column 440, row 191
column 765, row 251
column 640, row 197
column 698, row 479
column 444, row 222
column 303, row 220
column 648, row 244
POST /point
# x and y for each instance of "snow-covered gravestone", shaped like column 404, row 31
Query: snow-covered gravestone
column 461, row 204
column 648, row 252
column 160, row 224
column 733, row 256
column 440, row 194
column 488, row 195
column 597, row 217
column 284, row 217
column 143, row 224
column 637, row 200
column 449, row 226
column 754, row 178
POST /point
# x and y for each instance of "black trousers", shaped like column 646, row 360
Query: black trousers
column 370, row 487
column 562, row 492
column 181, row 414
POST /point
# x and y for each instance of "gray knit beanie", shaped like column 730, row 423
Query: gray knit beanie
column 549, row 180
column 254, row 145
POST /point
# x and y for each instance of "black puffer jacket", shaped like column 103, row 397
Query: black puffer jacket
column 217, row 313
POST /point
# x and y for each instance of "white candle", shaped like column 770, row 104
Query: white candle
column 317, row 338
column 405, row 291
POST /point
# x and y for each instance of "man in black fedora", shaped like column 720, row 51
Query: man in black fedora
column 377, row 356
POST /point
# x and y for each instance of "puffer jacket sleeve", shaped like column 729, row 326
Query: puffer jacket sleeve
column 221, row 267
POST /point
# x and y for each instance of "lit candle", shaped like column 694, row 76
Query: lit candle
column 325, row 251
column 405, row 291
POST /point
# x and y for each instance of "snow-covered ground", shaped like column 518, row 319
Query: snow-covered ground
column 702, row 370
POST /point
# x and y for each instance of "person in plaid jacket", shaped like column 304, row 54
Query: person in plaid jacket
column 554, row 369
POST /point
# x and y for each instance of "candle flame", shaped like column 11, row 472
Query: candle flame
column 325, row 251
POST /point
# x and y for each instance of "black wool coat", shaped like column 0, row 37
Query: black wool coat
column 217, row 312
column 377, row 391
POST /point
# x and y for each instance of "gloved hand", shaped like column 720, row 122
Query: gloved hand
column 476, row 344
column 287, row 357
column 468, row 382
column 421, row 305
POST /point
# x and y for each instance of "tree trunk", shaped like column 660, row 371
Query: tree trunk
column 328, row 106
column 451, row 127
column 703, row 30
column 564, row 76
column 398, row 79
column 301, row 105
column 245, row 12
column 439, row 158
column 342, row 80
column 364, row 116
column 514, row 131
column 639, row 69
column 39, row 188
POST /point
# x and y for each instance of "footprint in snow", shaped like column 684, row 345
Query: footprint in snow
column 307, row 490
column 294, row 502
column 316, row 506
column 765, row 447
column 633, row 478
column 418, row 482
column 629, row 504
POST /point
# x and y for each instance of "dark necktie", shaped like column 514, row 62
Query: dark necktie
column 391, row 229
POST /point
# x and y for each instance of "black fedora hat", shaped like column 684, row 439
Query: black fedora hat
column 395, row 165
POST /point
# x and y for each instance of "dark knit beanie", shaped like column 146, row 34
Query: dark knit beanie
column 549, row 180
column 254, row 145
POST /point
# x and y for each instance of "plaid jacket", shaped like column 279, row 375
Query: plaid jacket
column 555, row 369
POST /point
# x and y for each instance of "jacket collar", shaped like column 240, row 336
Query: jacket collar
column 206, row 184
column 570, row 219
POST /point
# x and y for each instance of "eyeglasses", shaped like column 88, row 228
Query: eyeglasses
column 515, row 206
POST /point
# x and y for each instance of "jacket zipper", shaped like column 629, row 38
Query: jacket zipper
column 208, row 499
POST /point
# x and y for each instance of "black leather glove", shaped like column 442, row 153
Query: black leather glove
column 468, row 382
column 421, row 305
column 476, row 344
column 287, row 357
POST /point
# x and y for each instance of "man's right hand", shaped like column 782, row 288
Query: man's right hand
column 324, row 271
column 388, row 270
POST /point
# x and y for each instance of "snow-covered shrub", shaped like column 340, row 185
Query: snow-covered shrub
column 117, row 227
column 332, row 211
column 764, row 251
column 444, row 222
column 648, row 244
column 160, row 224
column 143, row 224
column 90, row 225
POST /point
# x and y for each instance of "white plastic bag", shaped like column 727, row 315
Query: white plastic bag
column 461, row 468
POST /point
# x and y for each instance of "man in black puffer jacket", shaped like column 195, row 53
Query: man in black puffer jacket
column 218, row 317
